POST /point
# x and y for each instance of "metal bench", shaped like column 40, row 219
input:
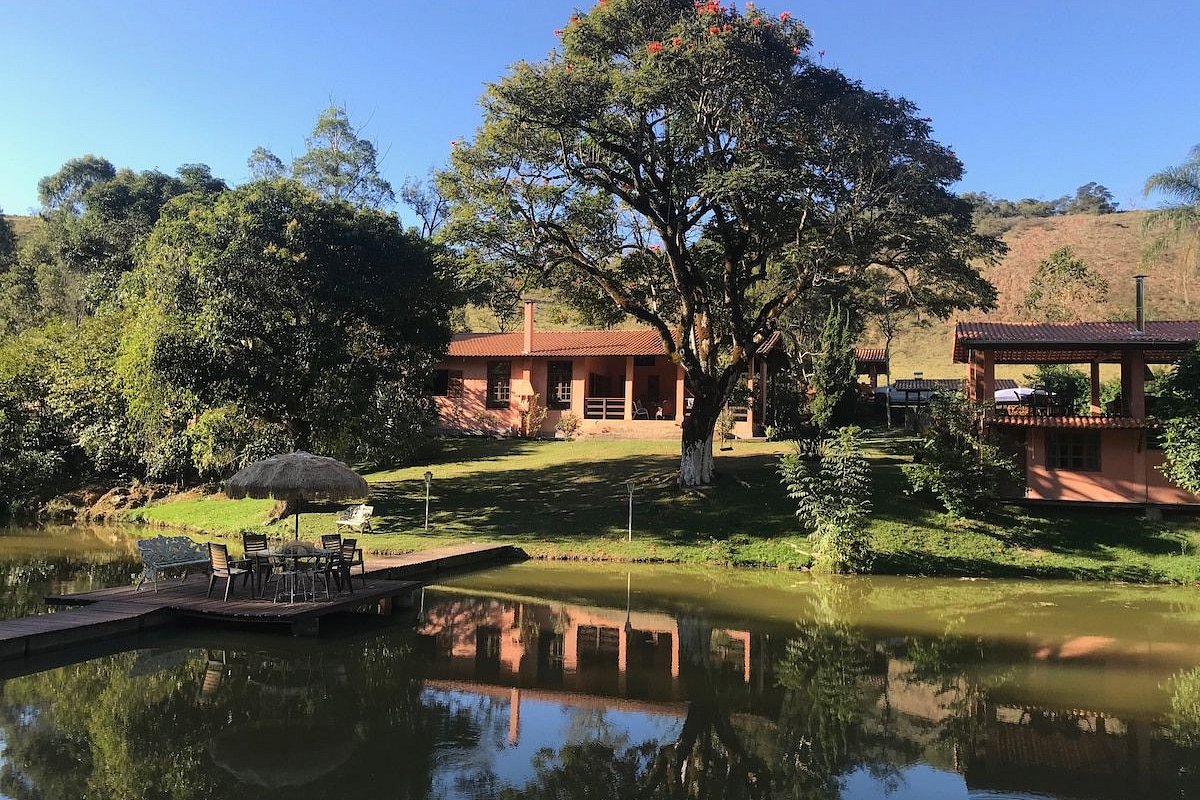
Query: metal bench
column 168, row 552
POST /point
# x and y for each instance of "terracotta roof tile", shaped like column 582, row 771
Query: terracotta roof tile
column 866, row 354
column 633, row 342
column 1080, row 421
column 1072, row 341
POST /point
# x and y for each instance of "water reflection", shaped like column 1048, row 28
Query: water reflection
column 552, row 682
column 38, row 561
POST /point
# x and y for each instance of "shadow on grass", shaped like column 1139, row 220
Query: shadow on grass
column 580, row 499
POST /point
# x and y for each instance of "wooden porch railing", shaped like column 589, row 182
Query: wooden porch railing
column 604, row 408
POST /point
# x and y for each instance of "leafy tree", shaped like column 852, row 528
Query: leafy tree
column 1062, row 283
column 264, row 165
column 1071, row 387
column 833, row 376
column 961, row 467
column 95, row 217
column 1178, row 405
column 1091, row 198
column 65, row 190
column 833, row 500
column 688, row 165
column 1179, row 219
column 340, row 164
column 427, row 203
column 298, row 311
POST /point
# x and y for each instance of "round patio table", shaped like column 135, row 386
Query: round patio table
column 295, row 574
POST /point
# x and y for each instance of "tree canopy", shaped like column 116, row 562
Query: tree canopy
column 338, row 164
column 690, row 166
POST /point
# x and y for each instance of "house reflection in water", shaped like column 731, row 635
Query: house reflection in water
column 1008, row 737
column 609, row 652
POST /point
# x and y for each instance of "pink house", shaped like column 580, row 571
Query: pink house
column 619, row 383
column 1110, row 454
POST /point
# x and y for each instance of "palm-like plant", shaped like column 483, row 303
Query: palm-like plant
column 1179, row 219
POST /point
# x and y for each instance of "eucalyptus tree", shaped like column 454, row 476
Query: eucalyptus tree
column 688, row 165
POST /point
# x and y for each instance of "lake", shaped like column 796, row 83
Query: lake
column 574, row 680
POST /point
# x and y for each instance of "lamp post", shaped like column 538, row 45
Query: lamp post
column 428, row 482
column 629, row 484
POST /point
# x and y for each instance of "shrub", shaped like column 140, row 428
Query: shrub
column 959, row 466
column 533, row 416
column 569, row 424
column 832, row 497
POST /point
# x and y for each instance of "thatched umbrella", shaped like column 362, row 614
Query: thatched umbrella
column 297, row 477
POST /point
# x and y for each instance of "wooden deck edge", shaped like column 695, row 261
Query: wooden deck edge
column 93, row 627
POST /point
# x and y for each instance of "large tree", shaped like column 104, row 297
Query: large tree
column 689, row 166
column 1177, row 220
column 296, row 311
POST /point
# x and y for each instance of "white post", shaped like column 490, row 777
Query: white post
column 428, row 481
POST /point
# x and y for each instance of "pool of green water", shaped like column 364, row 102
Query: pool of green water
column 552, row 680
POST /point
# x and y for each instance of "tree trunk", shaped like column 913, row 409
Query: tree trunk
column 696, row 459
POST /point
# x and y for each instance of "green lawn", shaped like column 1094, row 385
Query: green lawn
column 567, row 500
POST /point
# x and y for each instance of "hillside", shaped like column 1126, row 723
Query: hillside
column 1111, row 244
column 22, row 225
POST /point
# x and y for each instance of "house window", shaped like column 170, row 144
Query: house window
column 643, row 361
column 1074, row 450
column 447, row 383
column 499, row 384
column 558, row 384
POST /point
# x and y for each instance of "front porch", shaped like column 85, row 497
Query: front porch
column 653, row 399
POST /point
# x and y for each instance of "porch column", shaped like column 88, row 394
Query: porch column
column 752, row 394
column 874, row 375
column 762, row 389
column 679, row 394
column 1133, row 382
column 1096, row 409
column 628, row 388
column 981, row 377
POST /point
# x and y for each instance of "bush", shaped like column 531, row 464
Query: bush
column 959, row 466
column 568, row 425
column 832, row 497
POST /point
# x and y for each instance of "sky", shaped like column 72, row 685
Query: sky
column 1035, row 96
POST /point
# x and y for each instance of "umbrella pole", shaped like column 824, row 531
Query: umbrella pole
column 297, row 523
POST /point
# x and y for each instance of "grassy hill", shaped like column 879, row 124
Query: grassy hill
column 1111, row 244
column 23, row 225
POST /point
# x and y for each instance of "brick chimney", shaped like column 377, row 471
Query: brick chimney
column 528, row 345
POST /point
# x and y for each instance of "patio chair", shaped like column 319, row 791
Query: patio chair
column 222, row 567
column 352, row 556
column 639, row 410
column 254, row 546
column 356, row 518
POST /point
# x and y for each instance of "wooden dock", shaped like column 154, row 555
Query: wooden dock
column 97, row 615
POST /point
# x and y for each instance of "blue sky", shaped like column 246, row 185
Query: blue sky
column 1035, row 97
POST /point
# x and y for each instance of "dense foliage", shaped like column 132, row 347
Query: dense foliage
column 833, row 501
column 1070, row 388
column 963, row 469
column 833, row 377
column 1178, row 405
column 172, row 328
column 690, row 166
column 994, row 215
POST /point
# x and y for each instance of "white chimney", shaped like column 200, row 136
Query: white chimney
column 528, row 327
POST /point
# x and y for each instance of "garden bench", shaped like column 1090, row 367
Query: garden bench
column 168, row 552
column 356, row 518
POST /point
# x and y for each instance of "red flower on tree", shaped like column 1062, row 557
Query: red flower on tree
column 677, row 41
column 654, row 47
column 785, row 16
column 714, row 30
